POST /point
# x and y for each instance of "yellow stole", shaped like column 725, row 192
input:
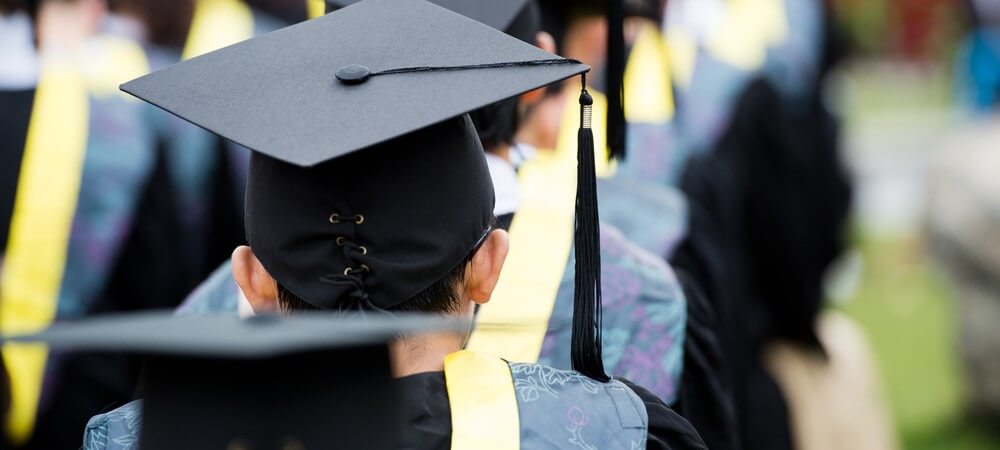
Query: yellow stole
column 484, row 413
column 648, row 94
column 315, row 8
column 216, row 24
column 741, row 37
column 44, row 207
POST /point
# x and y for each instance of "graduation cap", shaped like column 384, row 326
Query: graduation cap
column 367, row 182
column 518, row 18
column 310, row 381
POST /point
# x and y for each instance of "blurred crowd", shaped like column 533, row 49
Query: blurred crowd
column 729, row 172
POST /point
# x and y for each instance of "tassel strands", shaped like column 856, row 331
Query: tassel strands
column 586, row 352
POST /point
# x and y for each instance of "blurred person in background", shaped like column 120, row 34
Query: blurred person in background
column 773, row 181
column 208, row 174
column 85, row 207
column 977, row 74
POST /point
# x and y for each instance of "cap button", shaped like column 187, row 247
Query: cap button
column 353, row 74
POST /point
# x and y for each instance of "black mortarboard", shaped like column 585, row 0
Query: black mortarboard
column 310, row 381
column 342, row 228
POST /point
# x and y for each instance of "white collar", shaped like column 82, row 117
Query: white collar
column 18, row 58
column 508, row 193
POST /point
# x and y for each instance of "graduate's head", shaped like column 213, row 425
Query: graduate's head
column 406, row 225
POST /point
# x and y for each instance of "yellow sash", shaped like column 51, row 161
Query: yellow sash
column 746, row 31
column 39, row 231
column 484, row 412
column 648, row 94
column 47, row 192
column 216, row 24
column 315, row 8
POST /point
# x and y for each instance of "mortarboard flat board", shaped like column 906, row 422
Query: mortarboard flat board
column 310, row 381
column 280, row 94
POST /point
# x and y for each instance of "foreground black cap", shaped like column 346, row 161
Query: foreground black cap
column 342, row 228
column 313, row 381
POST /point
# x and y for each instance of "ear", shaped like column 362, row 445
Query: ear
column 484, row 270
column 259, row 288
column 545, row 42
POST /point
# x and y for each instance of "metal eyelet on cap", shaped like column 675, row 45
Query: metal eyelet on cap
column 341, row 241
column 359, row 219
column 334, row 218
column 364, row 250
column 348, row 271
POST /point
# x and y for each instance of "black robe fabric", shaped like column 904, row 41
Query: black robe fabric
column 705, row 392
column 427, row 417
column 14, row 117
column 778, row 196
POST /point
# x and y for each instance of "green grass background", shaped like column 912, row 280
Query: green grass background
column 905, row 306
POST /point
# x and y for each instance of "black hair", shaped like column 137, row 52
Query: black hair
column 28, row 6
column 497, row 123
column 442, row 296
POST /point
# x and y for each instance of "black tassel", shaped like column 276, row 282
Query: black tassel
column 586, row 348
column 615, row 76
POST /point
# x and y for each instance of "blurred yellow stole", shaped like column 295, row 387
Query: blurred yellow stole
column 45, row 204
column 216, row 24
column 315, row 8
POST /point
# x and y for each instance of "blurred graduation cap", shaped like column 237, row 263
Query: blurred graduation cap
column 310, row 381
column 518, row 18
column 557, row 15
column 367, row 182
